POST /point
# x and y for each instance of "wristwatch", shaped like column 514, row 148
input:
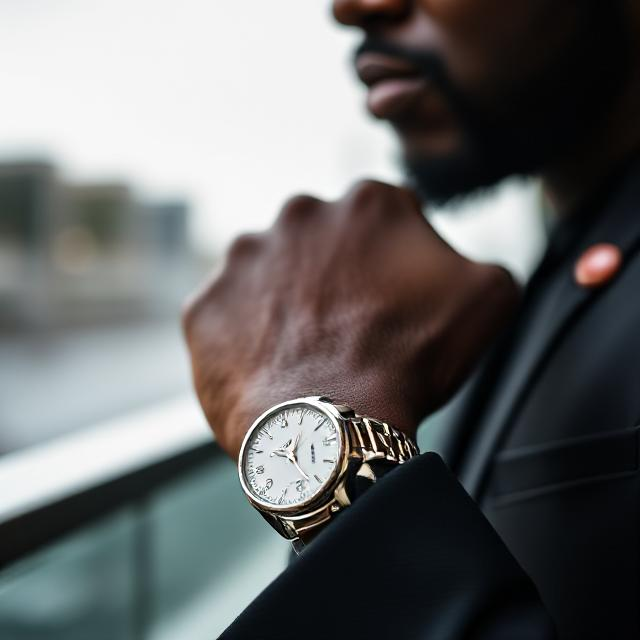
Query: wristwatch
column 300, row 460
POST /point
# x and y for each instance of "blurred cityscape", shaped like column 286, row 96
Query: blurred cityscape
column 91, row 281
column 86, row 253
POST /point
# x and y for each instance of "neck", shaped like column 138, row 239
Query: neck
column 585, row 169
column 570, row 183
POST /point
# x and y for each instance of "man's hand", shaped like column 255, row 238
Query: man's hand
column 358, row 300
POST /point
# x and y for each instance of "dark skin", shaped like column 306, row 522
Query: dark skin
column 350, row 300
column 360, row 300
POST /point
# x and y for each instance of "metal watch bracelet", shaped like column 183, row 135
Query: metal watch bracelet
column 377, row 440
column 370, row 440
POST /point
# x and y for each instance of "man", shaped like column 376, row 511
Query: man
column 360, row 301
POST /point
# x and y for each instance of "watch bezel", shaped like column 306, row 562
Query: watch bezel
column 326, row 492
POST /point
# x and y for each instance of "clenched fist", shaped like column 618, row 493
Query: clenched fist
column 359, row 300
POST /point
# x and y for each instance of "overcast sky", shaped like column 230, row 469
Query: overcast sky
column 235, row 105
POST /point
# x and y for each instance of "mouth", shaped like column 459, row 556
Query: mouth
column 394, row 85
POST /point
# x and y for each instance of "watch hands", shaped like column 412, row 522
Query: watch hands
column 290, row 456
column 291, row 445
column 288, row 451
column 295, row 462
column 292, row 451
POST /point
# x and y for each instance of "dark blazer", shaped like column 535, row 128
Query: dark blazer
column 532, row 530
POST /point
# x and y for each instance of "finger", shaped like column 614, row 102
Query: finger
column 411, row 193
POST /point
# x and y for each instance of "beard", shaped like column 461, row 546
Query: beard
column 521, row 126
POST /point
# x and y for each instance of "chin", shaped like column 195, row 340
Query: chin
column 442, row 179
column 433, row 143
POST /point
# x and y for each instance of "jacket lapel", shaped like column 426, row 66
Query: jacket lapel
column 561, row 303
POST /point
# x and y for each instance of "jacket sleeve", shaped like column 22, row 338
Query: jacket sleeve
column 412, row 558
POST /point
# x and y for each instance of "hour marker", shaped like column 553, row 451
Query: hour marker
column 267, row 433
column 323, row 421
column 329, row 439
column 302, row 412
column 282, row 495
column 257, row 450
column 316, row 477
column 329, row 460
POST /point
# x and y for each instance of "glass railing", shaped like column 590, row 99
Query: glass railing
column 155, row 543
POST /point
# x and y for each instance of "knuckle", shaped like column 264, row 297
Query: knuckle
column 365, row 189
column 245, row 246
column 297, row 209
column 499, row 286
column 409, row 197
column 368, row 195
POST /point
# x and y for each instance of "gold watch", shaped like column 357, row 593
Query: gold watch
column 299, row 459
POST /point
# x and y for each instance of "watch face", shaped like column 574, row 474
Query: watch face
column 290, row 455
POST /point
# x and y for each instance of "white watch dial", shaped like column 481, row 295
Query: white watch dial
column 289, row 456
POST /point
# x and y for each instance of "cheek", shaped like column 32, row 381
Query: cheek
column 486, row 23
column 479, row 35
column 461, row 11
column 470, row 32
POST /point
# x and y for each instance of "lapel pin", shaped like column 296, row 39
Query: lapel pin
column 597, row 265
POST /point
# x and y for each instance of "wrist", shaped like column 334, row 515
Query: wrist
column 304, row 461
column 378, row 393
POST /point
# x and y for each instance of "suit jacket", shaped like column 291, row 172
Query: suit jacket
column 531, row 531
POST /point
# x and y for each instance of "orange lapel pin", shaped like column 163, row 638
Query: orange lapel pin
column 598, row 265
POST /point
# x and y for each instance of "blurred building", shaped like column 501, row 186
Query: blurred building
column 86, row 252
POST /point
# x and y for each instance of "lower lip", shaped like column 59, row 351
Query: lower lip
column 388, row 98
